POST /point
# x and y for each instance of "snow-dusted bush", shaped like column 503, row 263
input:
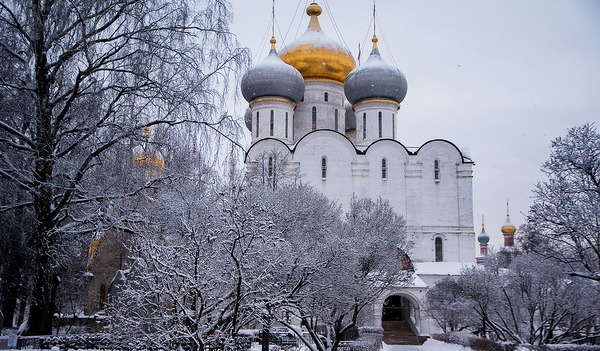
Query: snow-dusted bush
column 569, row 347
column 79, row 341
column 474, row 342
column 370, row 339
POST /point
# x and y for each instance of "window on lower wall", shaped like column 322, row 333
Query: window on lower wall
column 323, row 167
column 439, row 249
column 384, row 169
column 436, row 171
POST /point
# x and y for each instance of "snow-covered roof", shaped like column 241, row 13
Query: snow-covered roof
column 417, row 282
column 441, row 268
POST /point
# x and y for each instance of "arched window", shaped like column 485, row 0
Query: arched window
column 257, row 122
column 326, row 97
column 272, row 123
column 436, row 170
column 380, row 122
column 286, row 124
column 323, row 167
column 384, row 170
column 270, row 171
column 439, row 248
column 314, row 117
column 364, row 125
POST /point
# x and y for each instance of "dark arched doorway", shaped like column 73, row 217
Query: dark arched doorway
column 398, row 321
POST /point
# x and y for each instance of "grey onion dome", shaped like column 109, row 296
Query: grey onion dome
column 273, row 78
column 375, row 79
column 483, row 238
column 248, row 118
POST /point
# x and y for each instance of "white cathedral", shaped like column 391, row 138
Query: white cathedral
column 315, row 116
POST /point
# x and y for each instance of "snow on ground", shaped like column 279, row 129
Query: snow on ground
column 429, row 345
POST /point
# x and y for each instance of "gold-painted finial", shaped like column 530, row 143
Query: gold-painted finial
column 482, row 223
column 273, row 41
column 314, row 10
column 374, row 40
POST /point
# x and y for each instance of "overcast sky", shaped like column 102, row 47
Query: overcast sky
column 501, row 78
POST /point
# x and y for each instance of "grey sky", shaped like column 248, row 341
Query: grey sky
column 501, row 78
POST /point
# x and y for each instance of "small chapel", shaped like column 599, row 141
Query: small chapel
column 316, row 116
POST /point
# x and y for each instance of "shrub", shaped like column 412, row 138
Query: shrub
column 474, row 342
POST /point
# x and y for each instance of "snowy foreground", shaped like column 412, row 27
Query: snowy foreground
column 429, row 345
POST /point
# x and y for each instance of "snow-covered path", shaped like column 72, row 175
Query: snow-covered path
column 429, row 345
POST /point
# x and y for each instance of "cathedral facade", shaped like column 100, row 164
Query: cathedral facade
column 317, row 117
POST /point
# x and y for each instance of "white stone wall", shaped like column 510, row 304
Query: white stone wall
column 314, row 95
column 431, row 208
column 261, row 120
column 369, row 112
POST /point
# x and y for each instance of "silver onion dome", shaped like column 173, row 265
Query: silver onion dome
column 248, row 118
column 375, row 79
column 273, row 78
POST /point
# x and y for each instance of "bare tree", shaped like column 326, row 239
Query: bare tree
column 81, row 78
column 272, row 169
column 564, row 220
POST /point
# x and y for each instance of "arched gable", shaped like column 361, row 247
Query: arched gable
column 445, row 146
column 273, row 144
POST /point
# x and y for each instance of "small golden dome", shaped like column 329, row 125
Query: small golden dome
column 151, row 160
column 316, row 55
column 508, row 228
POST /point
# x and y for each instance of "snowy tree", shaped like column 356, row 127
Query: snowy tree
column 341, row 267
column 272, row 169
column 527, row 302
column 200, row 268
column 448, row 306
column 78, row 80
column 564, row 221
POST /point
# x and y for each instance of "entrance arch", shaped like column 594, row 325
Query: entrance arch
column 400, row 319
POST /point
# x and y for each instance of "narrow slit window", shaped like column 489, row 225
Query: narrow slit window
column 286, row 125
column 364, row 125
column 257, row 122
column 326, row 97
column 393, row 126
column 314, row 117
column 270, row 171
column 323, row 167
column 384, row 169
column 436, row 170
column 272, row 123
column 380, row 124
column 439, row 249
column 336, row 119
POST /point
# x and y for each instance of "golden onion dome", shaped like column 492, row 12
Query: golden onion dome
column 508, row 228
column 317, row 56
column 151, row 160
